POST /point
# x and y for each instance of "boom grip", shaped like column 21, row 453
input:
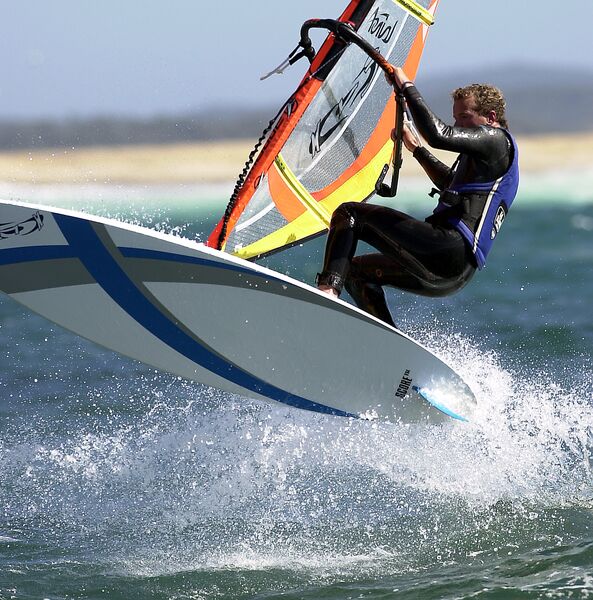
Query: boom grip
column 347, row 34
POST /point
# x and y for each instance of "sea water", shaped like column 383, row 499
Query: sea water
column 118, row 481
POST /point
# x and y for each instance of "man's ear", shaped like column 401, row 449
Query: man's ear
column 491, row 117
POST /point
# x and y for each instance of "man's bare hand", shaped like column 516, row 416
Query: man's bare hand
column 409, row 137
column 397, row 77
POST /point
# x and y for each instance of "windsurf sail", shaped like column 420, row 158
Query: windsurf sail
column 331, row 142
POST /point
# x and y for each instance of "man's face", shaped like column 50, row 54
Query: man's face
column 465, row 114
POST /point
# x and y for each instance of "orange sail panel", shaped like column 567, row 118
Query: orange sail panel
column 332, row 138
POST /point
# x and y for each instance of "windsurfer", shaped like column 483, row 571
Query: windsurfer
column 439, row 255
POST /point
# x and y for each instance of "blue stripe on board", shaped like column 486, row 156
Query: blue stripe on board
column 183, row 258
column 96, row 258
column 11, row 256
column 37, row 253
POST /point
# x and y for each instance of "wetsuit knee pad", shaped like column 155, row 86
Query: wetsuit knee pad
column 346, row 215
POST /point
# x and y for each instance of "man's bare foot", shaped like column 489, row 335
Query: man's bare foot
column 327, row 289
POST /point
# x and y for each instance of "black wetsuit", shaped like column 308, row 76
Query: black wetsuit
column 428, row 257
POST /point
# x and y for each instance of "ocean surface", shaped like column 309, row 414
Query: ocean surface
column 121, row 482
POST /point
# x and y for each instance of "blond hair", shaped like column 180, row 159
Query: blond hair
column 487, row 98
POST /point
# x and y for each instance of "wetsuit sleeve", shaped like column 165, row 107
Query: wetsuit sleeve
column 440, row 174
column 476, row 141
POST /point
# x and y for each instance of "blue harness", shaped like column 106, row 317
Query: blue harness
column 498, row 195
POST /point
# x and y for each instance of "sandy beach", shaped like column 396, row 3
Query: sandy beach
column 214, row 162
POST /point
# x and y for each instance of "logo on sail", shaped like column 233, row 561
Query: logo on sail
column 27, row 227
column 380, row 26
column 340, row 111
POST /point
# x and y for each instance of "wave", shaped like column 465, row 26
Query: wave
column 175, row 478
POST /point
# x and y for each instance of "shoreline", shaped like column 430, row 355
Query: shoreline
column 221, row 162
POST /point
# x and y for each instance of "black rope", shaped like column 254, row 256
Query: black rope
column 243, row 175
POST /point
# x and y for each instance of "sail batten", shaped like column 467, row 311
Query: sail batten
column 300, row 191
column 332, row 139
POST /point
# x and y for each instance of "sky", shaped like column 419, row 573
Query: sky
column 80, row 58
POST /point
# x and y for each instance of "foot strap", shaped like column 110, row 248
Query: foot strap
column 330, row 279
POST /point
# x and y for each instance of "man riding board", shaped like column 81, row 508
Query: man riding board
column 439, row 255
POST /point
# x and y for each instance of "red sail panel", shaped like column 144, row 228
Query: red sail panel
column 332, row 138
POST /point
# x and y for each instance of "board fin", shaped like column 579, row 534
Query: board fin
column 432, row 397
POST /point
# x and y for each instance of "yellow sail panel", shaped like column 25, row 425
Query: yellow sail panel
column 315, row 208
column 283, row 237
column 297, row 229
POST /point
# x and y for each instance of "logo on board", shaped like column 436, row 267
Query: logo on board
column 404, row 385
column 26, row 227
